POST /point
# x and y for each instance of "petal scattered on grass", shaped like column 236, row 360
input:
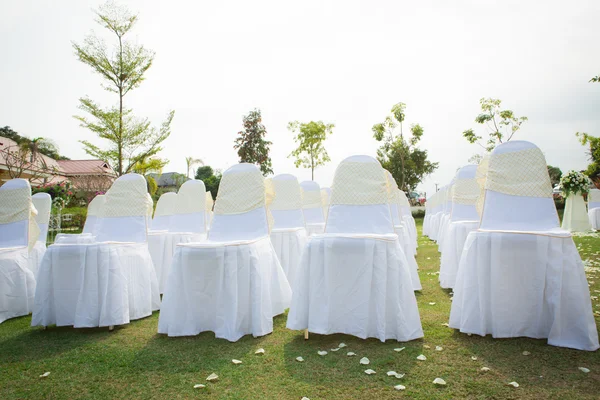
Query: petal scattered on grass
column 260, row 351
column 350, row 354
column 484, row 369
column 584, row 369
column 446, row 325
column 426, row 346
column 370, row 372
column 45, row 375
column 392, row 373
column 364, row 361
column 439, row 381
column 199, row 386
column 305, row 398
column 432, row 303
column 342, row 345
column 474, row 358
column 336, row 349
column 299, row 359
column 526, row 353
column 399, row 349
column 322, row 353
column 236, row 362
column 212, row 377
column 399, row 387
column 439, row 348
column 421, row 358
column 513, row 384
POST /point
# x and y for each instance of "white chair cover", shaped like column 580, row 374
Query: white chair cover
column 355, row 279
column 325, row 197
column 232, row 284
column 43, row 204
column 575, row 217
column 108, row 282
column 288, row 235
column 312, row 206
column 445, row 219
column 520, row 275
column 594, row 209
column 165, row 208
column 463, row 219
column 187, row 224
column 17, row 232
column 401, row 229
column 209, row 207
column 89, row 228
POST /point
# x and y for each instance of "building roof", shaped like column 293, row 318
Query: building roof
column 84, row 167
column 41, row 162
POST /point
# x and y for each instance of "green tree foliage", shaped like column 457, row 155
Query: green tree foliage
column 210, row 178
column 122, row 68
column 41, row 145
column 400, row 156
column 501, row 124
column 152, row 185
column 251, row 144
column 149, row 165
column 190, row 162
column 593, row 144
column 555, row 175
column 310, row 136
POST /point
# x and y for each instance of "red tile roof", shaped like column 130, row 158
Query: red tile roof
column 84, row 167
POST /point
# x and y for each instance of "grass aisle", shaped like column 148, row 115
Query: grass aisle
column 135, row 362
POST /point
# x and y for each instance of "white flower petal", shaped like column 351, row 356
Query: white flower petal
column 439, row 381
column 350, row 354
column 426, row 346
column 364, row 361
column 513, row 384
column 45, row 374
column 299, row 359
column 322, row 353
column 439, row 348
column 484, row 369
column 432, row 303
column 336, row 349
column 446, row 325
column 421, row 358
column 260, row 351
column 305, row 398
column 526, row 353
column 342, row 345
column 584, row 369
column 212, row 377
column 399, row 349
column 392, row 373
column 236, row 362
column 399, row 387
column 370, row 372
column 199, row 386
column 474, row 358
column 399, row 376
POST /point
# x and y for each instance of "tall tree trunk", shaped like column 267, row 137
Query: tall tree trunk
column 120, row 139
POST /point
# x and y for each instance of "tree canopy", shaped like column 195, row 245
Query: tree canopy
column 251, row 145
column 210, row 178
column 407, row 163
column 41, row 145
column 122, row 68
column 555, row 175
column 309, row 138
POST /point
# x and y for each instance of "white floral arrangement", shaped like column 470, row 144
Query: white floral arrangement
column 58, row 203
column 575, row 183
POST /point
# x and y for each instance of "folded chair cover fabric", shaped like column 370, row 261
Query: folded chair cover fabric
column 232, row 284
column 43, row 204
column 312, row 206
column 594, row 209
column 18, row 233
column 289, row 234
column 520, row 274
column 355, row 278
column 463, row 219
column 110, row 281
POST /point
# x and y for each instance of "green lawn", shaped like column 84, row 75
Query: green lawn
column 135, row 362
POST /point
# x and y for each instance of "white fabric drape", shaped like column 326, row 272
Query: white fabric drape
column 575, row 218
column 452, row 251
column 17, row 283
column 289, row 245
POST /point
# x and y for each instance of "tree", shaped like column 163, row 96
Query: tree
column 251, row 144
column 310, row 136
column 555, row 175
column 211, row 179
column 150, row 165
column 131, row 139
column 401, row 157
column 21, row 161
column 501, row 124
column 190, row 162
column 593, row 144
column 41, row 145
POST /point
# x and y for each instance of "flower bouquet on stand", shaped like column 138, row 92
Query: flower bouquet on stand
column 574, row 185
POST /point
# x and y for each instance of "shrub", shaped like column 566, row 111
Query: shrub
column 78, row 216
column 418, row 213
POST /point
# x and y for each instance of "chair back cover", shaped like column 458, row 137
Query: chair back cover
column 359, row 198
column 17, row 215
column 518, row 192
column 93, row 212
column 393, row 199
column 404, row 204
column 325, row 200
column 124, row 215
column 165, row 208
column 240, row 209
column 312, row 204
column 190, row 208
column 465, row 193
column 286, row 206
column 594, row 199
column 43, row 204
column 209, row 202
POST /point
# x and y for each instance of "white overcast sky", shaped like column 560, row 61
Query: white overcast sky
column 345, row 62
